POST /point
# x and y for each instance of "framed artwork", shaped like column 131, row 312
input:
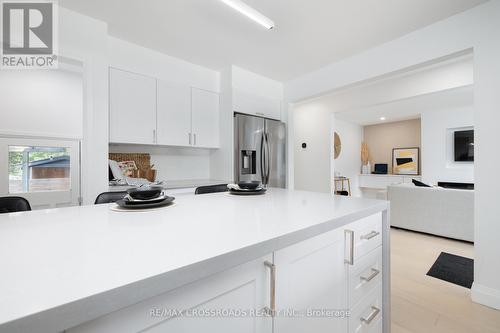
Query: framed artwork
column 405, row 161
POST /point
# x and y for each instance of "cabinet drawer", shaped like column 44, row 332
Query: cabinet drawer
column 367, row 234
column 365, row 276
column 366, row 317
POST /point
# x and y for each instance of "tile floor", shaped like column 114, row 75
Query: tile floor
column 424, row 304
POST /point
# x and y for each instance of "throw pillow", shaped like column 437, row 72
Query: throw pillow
column 419, row 183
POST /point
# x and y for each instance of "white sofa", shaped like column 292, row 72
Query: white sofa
column 438, row 211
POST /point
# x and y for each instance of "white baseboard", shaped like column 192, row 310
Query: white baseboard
column 485, row 296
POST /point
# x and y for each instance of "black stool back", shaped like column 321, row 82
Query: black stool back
column 109, row 197
column 211, row 189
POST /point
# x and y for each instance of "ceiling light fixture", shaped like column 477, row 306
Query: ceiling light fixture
column 382, row 118
column 249, row 12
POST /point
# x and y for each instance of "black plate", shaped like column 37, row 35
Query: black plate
column 248, row 192
column 141, row 202
column 165, row 202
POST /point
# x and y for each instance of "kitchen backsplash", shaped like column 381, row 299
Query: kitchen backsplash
column 172, row 163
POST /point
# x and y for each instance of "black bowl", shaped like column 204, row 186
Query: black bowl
column 145, row 193
column 249, row 185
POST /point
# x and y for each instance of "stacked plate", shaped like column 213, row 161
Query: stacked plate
column 143, row 198
column 247, row 188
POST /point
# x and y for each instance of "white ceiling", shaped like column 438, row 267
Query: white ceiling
column 309, row 34
column 410, row 108
column 441, row 85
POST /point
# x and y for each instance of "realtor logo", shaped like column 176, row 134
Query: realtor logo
column 28, row 34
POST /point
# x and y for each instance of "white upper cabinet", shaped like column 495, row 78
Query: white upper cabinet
column 173, row 114
column 132, row 107
column 144, row 110
column 256, row 105
column 205, row 118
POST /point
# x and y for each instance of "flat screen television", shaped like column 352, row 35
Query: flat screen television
column 464, row 146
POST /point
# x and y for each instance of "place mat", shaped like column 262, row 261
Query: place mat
column 454, row 269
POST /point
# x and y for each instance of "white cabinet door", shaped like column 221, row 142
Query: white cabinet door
column 173, row 114
column 132, row 107
column 214, row 304
column 312, row 275
column 205, row 118
column 256, row 105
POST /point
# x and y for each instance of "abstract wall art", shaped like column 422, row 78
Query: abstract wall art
column 405, row 161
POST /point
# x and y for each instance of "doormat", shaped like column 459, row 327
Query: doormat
column 454, row 269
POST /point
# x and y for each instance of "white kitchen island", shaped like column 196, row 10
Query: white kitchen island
column 287, row 261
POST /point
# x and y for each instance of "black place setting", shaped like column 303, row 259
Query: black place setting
column 247, row 188
column 145, row 197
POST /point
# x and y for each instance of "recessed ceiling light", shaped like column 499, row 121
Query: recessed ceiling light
column 249, row 12
column 382, row 118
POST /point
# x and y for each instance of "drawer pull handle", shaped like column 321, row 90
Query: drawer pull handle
column 374, row 273
column 350, row 233
column 370, row 235
column 271, row 310
column 373, row 315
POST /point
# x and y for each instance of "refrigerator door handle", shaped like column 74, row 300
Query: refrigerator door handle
column 262, row 159
column 268, row 159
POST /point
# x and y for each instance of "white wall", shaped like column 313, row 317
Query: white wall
column 172, row 163
column 348, row 163
column 221, row 160
column 84, row 39
column 256, row 84
column 36, row 103
column 138, row 59
column 312, row 123
column 437, row 145
column 479, row 29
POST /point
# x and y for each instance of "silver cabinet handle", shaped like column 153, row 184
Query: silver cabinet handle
column 271, row 310
column 373, row 315
column 374, row 273
column 194, row 136
column 370, row 235
column 350, row 234
column 189, row 138
column 154, row 136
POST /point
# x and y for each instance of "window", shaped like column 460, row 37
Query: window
column 39, row 169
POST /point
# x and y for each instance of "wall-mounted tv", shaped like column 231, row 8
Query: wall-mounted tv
column 464, row 146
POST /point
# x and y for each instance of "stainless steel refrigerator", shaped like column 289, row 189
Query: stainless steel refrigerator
column 260, row 150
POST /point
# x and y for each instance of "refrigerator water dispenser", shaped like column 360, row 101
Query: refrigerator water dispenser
column 248, row 162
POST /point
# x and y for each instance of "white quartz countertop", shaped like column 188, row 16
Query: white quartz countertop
column 62, row 267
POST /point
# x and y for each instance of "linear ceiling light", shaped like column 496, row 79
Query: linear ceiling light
column 249, row 12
